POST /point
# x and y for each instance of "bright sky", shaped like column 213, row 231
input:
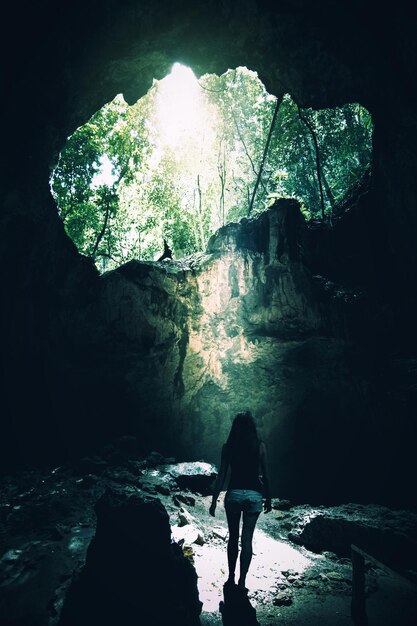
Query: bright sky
column 182, row 118
column 180, row 105
column 105, row 174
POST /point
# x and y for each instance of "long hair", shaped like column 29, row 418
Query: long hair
column 243, row 437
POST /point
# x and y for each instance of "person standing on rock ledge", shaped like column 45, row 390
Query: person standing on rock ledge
column 249, row 484
column 167, row 253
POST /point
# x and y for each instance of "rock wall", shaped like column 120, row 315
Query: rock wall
column 190, row 343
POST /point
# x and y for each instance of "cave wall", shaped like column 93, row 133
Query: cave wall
column 244, row 326
column 58, row 396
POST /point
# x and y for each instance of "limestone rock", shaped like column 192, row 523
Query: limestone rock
column 196, row 476
column 220, row 532
column 131, row 566
column 184, row 499
column 388, row 535
column 281, row 505
column 186, row 535
column 237, row 327
column 185, row 517
column 283, row 598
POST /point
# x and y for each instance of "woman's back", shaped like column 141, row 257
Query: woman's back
column 244, row 466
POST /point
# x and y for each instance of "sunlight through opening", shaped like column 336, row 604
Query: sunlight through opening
column 180, row 107
column 105, row 174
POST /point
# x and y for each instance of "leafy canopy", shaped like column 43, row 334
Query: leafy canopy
column 188, row 157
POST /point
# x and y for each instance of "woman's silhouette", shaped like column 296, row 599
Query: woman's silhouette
column 245, row 454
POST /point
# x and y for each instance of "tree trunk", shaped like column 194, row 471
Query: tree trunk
column 200, row 214
column 268, row 141
column 242, row 141
column 329, row 195
column 316, row 148
column 221, row 168
column 245, row 148
column 100, row 236
column 103, row 229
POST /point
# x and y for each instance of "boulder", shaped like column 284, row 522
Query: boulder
column 388, row 535
column 186, row 535
column 196, row 476
column 133, row 573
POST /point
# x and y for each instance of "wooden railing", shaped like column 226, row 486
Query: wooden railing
column 358, row 604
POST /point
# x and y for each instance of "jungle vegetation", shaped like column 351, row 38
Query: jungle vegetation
column 193, row 155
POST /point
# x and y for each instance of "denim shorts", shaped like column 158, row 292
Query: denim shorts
column 246, row 500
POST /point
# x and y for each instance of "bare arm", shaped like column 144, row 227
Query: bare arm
column 265, row 476
column 221, row 476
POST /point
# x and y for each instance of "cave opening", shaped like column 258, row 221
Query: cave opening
column 194, row 154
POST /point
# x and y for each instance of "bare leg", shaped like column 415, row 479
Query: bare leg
column 249, row 523
column 233, row 519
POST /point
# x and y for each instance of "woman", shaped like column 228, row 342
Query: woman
column 245, row 454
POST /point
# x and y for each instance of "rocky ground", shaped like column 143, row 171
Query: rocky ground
column 301, row 569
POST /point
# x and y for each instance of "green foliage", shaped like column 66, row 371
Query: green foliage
column 184, row 185
column 344, row 137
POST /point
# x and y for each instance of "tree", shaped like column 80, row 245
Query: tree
column 238, row 152
column 340, row 151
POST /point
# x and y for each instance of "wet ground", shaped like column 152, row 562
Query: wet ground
column 290, row 585
column 47, row 521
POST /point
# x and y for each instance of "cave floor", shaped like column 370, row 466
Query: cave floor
column 47, row 521
column 291, row 585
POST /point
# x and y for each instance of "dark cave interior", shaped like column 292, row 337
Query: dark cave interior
column 312, row 328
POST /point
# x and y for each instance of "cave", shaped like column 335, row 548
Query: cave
column 311, row 328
